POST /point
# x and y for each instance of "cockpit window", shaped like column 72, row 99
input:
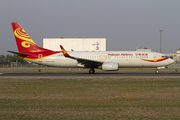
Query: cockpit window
column 164, row 56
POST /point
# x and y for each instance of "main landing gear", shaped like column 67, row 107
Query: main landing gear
column 91, row 71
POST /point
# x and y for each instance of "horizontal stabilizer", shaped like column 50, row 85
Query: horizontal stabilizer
column 20, row 54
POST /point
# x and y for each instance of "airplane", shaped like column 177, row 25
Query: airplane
column 104, row 60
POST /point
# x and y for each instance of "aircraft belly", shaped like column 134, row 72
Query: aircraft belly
column 47, row 62
column 158, row 64
column 56, row 62
column 66, row 62
column 51, row 61
column 134, row 63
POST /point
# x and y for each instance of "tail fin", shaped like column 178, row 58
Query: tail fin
column 24, row 43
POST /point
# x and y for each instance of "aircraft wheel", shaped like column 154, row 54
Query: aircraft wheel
column 91, row 71
column 157, row 71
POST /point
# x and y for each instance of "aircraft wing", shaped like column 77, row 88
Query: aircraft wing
column 82, row 61
column 20, row 54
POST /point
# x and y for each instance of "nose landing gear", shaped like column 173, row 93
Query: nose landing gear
column 157, row 71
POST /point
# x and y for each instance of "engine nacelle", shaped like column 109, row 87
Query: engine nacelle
column 110, row 66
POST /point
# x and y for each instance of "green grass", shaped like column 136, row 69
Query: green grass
column 93, row 98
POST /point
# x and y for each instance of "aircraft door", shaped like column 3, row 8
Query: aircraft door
column 155, row 57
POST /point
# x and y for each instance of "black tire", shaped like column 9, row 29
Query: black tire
column 91, row 71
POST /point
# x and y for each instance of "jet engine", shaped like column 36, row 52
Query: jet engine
column 110, row 66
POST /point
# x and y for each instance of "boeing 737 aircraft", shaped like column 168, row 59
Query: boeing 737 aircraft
column 105, row 60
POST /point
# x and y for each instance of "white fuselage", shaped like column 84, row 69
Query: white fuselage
column 125, row 59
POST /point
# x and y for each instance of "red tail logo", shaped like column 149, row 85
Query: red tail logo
column 24, row 42
column 26, row 45
column 21, row 34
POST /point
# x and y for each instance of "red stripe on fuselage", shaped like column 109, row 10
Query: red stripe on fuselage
column 155, row 60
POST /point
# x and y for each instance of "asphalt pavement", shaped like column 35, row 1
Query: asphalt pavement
column 87, row 75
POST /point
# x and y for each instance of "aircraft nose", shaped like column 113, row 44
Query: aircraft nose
column 171, row 61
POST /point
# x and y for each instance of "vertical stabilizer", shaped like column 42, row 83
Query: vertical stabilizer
column 24, row 43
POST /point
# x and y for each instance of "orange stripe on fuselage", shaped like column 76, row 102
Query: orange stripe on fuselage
column 155, row 60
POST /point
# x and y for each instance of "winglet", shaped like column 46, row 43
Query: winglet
column 64, row 52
